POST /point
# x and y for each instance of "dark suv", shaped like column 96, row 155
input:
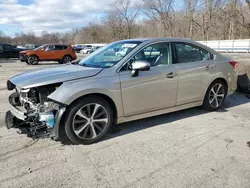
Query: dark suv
column 9, row 51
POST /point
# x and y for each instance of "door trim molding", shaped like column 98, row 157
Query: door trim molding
column 159, row 112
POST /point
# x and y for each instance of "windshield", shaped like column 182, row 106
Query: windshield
column 40, row 47
column 110, row 55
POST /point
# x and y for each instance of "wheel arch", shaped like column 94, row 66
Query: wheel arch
column 105, row 97
column 34, row 55
column 222, row 80
column 68, row 55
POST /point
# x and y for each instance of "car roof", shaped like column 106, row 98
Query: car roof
column 159, row 39
column 57, row 44
column 5, row 44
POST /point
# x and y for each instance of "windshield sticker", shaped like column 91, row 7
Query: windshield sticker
column 109, row 64
column 129, row 45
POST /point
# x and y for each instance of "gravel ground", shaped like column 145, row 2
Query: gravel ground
column 191, row 148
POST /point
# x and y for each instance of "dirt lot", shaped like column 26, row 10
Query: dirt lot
column 191, row 148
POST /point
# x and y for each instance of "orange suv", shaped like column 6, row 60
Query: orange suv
column 48, row 52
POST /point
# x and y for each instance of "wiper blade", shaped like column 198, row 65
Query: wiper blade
column 85, row 65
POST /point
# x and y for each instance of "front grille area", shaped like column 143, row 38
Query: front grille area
column 10, row 85
column 22, row 57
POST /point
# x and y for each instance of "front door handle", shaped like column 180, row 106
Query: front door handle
column 171, row 75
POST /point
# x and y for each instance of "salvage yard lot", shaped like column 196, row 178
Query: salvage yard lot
column 191, row 148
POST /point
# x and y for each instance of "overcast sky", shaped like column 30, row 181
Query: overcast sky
column 49, row 15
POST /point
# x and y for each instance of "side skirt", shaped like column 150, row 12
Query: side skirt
column 159, row 112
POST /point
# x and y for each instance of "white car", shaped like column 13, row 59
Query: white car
column 86, row 50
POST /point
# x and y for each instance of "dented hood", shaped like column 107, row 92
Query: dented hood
column 53, row 74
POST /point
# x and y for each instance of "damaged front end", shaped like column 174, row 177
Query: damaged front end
column 33, row 113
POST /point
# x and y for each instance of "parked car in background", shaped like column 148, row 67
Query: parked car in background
column 9, row 51
column 78, row 47
column 95, row 48
column 48, row 52
column 31, row 46
column 87, row 50
column 84, row 100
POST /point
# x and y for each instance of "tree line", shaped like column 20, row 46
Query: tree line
column 194, row 19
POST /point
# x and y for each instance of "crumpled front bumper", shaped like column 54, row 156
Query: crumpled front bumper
column 18, row 118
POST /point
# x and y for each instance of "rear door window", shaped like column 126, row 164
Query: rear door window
column 190, row 53
column 60, row 47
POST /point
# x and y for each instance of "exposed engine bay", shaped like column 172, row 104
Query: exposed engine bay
column 32, row 112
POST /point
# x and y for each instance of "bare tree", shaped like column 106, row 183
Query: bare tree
column 244, row 16
column 116, row 25
column 197, row 19
column 190, row 9
column 161, row 11
column 210, row 16
column 123, row 17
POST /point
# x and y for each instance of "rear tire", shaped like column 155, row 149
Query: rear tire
column 215, row 96
column 33, row 60
column 88, row 120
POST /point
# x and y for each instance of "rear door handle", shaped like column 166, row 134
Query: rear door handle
column 209, row 67
column 171, row 75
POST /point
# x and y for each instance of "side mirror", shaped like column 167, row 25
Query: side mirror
column 42, row 49
column 139, row 66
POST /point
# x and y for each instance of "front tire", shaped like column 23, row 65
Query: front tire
column 33, row 60
column 215, row 96
column 88, row 120
column 67, row 59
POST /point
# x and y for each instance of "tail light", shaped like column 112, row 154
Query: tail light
column 234, row 64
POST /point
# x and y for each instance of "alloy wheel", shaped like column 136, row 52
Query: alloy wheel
column 33, row 60
column 67, row 59
column 216, row 95
column 90, row 121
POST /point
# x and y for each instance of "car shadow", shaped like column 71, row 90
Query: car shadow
column 234, row 100
column 47, row 63
column 126, row 128
column 4, row 60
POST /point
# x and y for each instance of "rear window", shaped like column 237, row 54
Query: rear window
column 60, row 47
